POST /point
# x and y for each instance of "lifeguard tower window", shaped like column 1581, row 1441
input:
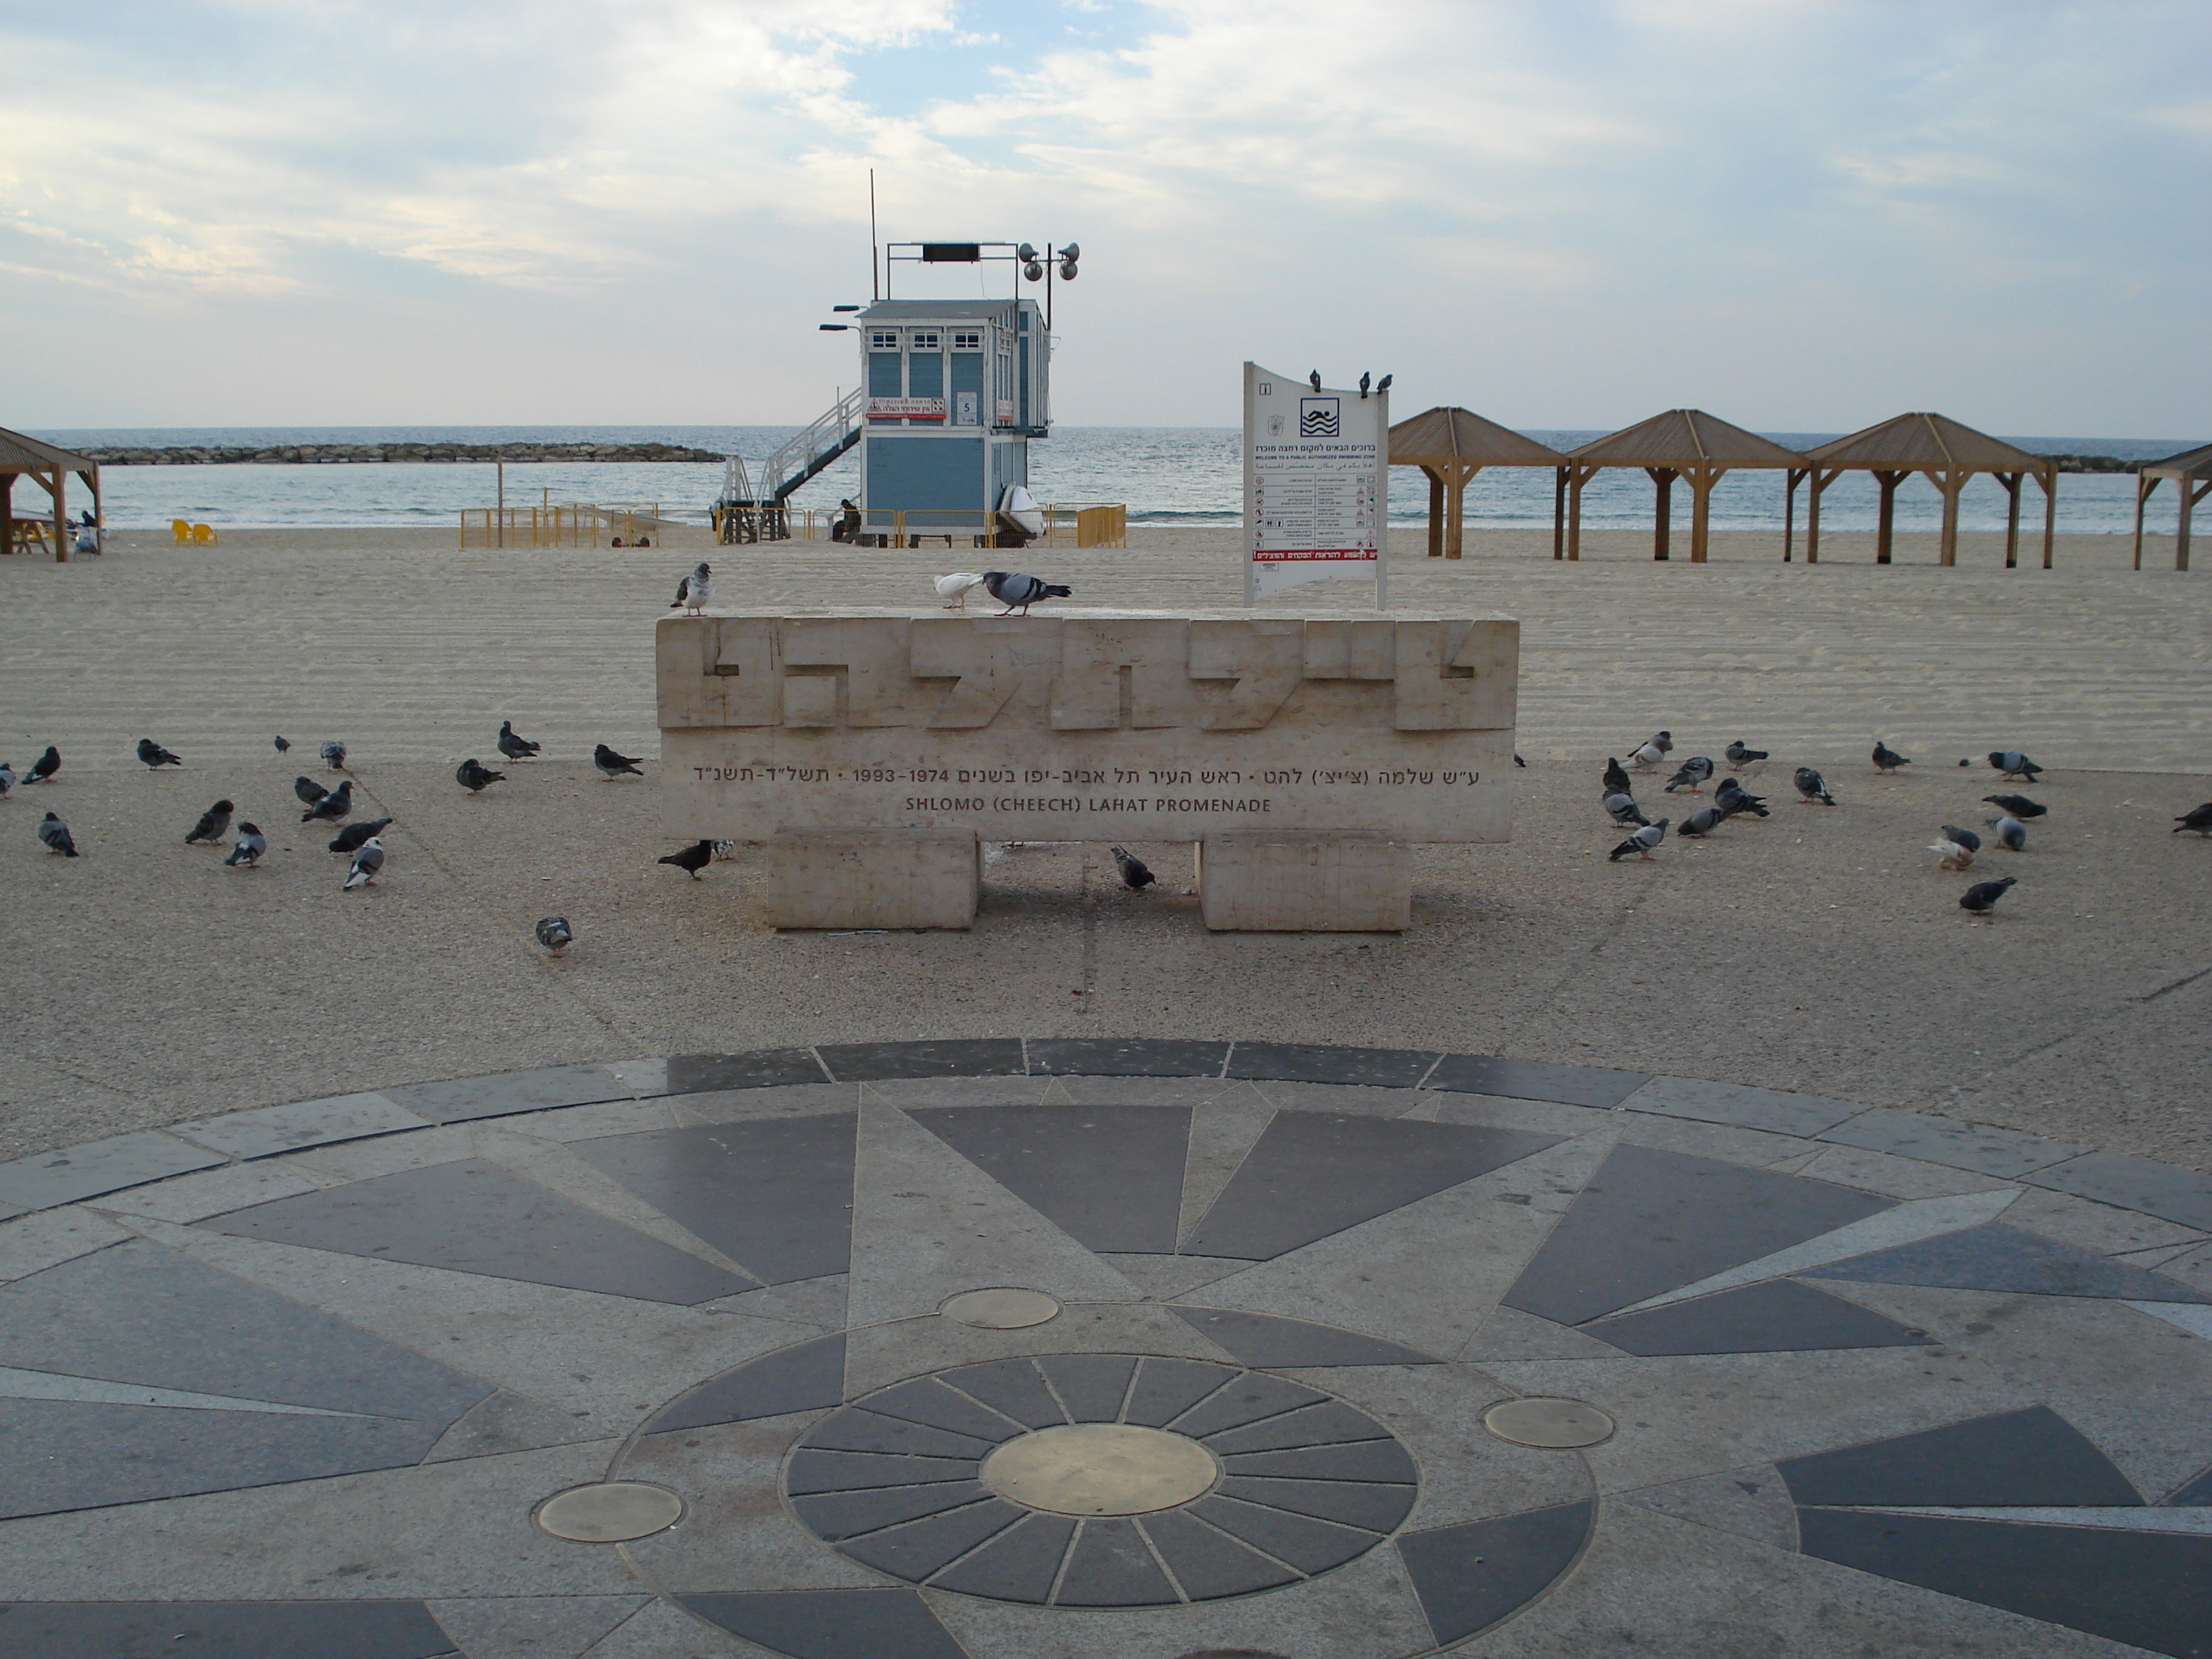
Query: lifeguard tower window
column 965, row 342
column 925, row 339
column 952, row 254
column 883, row 339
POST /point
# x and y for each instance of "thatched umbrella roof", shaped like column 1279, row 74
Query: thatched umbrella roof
column 1923, row 440
column 1685, row 438
column 20, row 453
column 1443, row 436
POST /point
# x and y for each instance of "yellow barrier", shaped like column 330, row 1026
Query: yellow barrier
column 580, row 524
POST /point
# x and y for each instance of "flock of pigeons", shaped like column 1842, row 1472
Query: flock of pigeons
column 360, row 843
column 1955, row 847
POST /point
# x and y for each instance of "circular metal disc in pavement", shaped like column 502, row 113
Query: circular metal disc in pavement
column 1100, row 1468
column 1556, row 1423
column 1000, row 1309
column 611, row 1512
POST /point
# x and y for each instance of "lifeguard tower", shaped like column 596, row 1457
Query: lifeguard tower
column 951, row 393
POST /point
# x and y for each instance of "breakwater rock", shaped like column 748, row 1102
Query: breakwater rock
column 337, row 454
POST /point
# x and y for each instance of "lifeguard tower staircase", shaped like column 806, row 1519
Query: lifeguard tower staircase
column 747, row 513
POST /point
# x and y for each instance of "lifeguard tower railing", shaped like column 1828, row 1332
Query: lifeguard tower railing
column 750, row 513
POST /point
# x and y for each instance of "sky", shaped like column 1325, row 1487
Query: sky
column 1802, row 216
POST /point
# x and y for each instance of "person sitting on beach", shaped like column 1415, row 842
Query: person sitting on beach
column 88, row 534
column 847, row 527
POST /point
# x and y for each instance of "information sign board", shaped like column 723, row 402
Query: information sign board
column 1317, row 470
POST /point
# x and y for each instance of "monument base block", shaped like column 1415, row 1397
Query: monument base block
column 1256, row 882
column 874, row 879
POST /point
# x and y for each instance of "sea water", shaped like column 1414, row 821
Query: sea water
column 1166, row 475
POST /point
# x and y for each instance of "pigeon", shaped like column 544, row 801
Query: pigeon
column 2013, row 764
column 1739, row 757
column 332, row 807
column 1965, row 838
column 249, row 847
column 334, row 755
column 1136, row 874
column 1705, row 821
column 56, row 835
column 1624, row 811
column 214, row 824
column 2019, row 805
column 1015, row 590
column 2012, row 834
column 1366, row 379
column 2198, row 818
column 7, row 779
column 476, row 777
column 1886, row 759
column 1662, row 741
column 693, row 858
column 1734, row 797
column 43, row 768
column 695, row 590
column 309, row 792
column 1812, row 786
column 514, row 747
column 1517, row 761
column 1694, row 772
column 1314, row 376
column 1640, row 843
column 954, row 588
column 1953, row 855
column 1383, row 385
column 612, row 764
column 366, row 863
column 154, row 756
column 349, row 839
column 1984, row 894
column 283, row 744
column 1647, row 758
column 555, row 935
column 726, row 849
column 1616, row 780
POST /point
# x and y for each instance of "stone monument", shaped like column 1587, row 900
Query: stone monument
column 875, row 750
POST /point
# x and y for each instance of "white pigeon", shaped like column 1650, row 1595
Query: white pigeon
column 1647, row 758
column 366, row 863
column 954, row 588
column 695, row 590
column 1954, row 857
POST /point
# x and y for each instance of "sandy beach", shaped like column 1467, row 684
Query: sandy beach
column 1818, row 950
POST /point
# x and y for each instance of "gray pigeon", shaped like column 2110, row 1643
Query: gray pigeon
column 7, row 779
column 1624, row 810
column 349, row 839
column 1984, row 894
column 1647, row 758
column 555, row 935
column 366, row 863
column 695, row 590
column 476, row 777
column 309, row 792
column 1733, row 798
column 333, row 807
column 1965, row 838
column 249, row 848
column 1739, row 757
column 1705, row 821
column 154, row 756
column 1136, row 874
column 1662, row 741
column 1691, row 773
column 1812, row 786
column 2198, row 818
column 334, row 755
column 56, row 835
column 1886, row 759
column 613, row 765
column 1640, row 843
column 214, row 824
column 1018, row 592
column 514, row 745
column 2012, row 834
column 2013, row 764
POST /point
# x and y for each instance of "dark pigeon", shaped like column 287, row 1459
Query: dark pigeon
column 1616, row 777
column 56, row 835
column 555, row 935
column 154, row 756
column 1965, row 838
column 693, row 858
column 1739, row 757
column 474, row 777
column 214, row 824
column 283, row 746
column 310, row 792
column 1812, row 786
column 2198, row 818
column 612, row 764
column 352, row 838
column 1886, row 759
column 1136, row 874
column 43, row 769
column 332, row 808
column 2019, row 805
column 514, row 747
column 1734, row 797
column 1984, row 894
column 334, row 755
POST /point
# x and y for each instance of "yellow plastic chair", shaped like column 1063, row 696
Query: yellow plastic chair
column 180, row 530
column 205, row 535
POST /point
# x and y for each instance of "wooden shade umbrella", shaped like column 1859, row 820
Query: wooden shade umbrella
column 1682, row 443
column 1947, row 452
column 19, row 456
column 1451, row 445
column 2191, row 472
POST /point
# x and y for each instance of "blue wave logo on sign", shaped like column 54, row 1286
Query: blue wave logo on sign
column 1317, row 417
